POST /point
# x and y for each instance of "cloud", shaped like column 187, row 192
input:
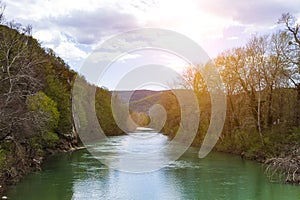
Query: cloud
column 64, row 46
column 90, row 27
column 233, row 31
column 70, row 51
column 255, row 12
column 72, row 30
column 75, row 28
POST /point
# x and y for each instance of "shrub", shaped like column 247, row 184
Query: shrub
column 48, row 117
column 45, row 109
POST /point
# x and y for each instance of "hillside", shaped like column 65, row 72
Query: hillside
column 36, row 116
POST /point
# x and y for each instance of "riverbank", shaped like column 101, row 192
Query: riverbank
column 287, row 166
column 282, row 166
column 279, row 153
column 20, row 158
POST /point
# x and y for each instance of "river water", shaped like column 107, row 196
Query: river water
column 79, row 176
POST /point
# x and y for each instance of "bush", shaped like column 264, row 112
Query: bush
column 294, row 137
column 43, row 141
column 45, row 109
column 48, row 117
column 49, row 140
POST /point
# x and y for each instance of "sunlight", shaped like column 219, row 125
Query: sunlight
column 149, row 99
column 189, row 20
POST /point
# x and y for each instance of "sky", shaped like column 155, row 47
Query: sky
column 73, row 29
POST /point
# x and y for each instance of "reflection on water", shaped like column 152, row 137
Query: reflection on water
column 79, row 176
column 138, row 152
column 138, row 142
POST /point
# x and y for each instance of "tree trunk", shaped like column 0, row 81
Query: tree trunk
column 269, row 115
column 259, row 113
column 297, row 107
column 235, row 118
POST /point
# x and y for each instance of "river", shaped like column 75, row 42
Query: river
column 78, row 175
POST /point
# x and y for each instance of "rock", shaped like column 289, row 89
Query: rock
column 37, row 161
column 9, row 138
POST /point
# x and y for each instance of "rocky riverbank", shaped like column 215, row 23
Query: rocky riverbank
column 20, row 159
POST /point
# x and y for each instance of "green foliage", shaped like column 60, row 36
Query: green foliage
column 58, row 92
column 44, row 107
column 295, row 135
column 50, row 139
column 36, row 143
column 45, row 140
column 104, row 112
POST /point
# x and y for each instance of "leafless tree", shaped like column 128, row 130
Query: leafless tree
column 293, row 54
column 19, row 64
column 252, row 73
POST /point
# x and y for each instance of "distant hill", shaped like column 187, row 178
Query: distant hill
column 135, row 95
column 142, row 100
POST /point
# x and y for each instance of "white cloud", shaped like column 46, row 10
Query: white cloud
column 48, row 37
column 74, row 28
column 70, row 51
column 63, row 45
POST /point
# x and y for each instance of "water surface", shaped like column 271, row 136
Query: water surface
column 78, row 175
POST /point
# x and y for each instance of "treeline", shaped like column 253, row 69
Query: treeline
column 35, row 109
column 36, row 116
column 262, row 81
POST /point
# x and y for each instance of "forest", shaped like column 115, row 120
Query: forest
column 263, row 97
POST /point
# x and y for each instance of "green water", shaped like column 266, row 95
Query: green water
column 78, row 175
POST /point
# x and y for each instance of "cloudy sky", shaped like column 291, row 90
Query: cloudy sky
column 74, row 28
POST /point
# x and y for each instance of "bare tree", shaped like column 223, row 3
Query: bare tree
column 249, row 71
column 292, row 26
column 293, row 54
column 19, row 64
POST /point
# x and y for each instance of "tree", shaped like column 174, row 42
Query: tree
column 257, row 54
column 171, row 105
column 193, row 80
column 293, row 55
column 228, row 63
column 274, row 71
column 57, row 91
column 252, row 70
column 45, row 112
column 20, row 62
column 104, row 112
column 240, row 77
